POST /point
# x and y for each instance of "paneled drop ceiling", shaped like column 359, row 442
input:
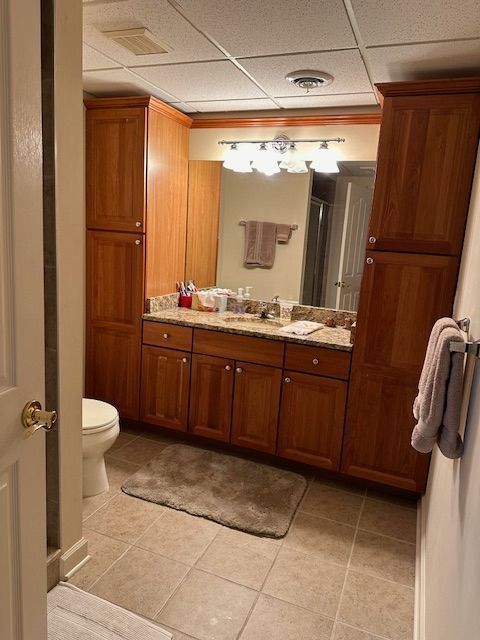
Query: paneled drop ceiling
column 233, row 55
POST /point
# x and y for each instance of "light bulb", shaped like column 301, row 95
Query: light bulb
column 292, row 163
column 265, row 161
column 324, row 160
column 237, row 160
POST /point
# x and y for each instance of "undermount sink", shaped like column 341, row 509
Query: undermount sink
column 253, row 320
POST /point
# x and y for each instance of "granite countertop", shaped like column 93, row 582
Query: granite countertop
column 330, row 338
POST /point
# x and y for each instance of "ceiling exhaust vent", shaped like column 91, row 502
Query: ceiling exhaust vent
column 140, row 41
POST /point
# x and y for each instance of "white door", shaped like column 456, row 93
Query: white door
column 355, row 226
column 22, row 461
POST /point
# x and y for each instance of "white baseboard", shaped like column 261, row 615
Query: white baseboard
column 73, row 559
column 419, row 622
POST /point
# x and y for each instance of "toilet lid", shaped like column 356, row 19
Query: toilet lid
column 97, row 414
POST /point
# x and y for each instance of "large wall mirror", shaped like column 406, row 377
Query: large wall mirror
column 321, row 264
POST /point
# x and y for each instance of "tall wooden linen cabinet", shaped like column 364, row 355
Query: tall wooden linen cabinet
column 136, row 178
column 426, row 158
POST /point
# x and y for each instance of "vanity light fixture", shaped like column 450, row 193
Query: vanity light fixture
column 268, row 159
column 236, row 160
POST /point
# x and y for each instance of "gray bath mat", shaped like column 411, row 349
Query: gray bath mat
column 238, row 493
column 76, row 615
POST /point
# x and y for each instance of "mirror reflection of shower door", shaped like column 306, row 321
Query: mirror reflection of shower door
column 355, row 226
column 313, row 290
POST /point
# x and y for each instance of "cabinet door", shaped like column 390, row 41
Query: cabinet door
column 401, row 298
column 426, row 158
column 311, row 419
column 256, row 401
column 211, row 397
column 165, row 387
column 115, row 168
column 114, row 301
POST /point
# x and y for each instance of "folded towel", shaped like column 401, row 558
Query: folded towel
column 260, row 241
column 301, row 327
column 438, row 327
column 437, row 407
column 284, row 233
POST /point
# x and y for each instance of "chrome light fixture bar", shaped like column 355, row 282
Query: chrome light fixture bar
column 324, row 159
column 281, row 141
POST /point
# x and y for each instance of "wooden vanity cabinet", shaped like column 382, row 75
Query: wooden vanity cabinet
column 426, row 158
column 402, row 297
column 165, row 387
column 136, row 201
column 211, row 397
column 256, row 401
column 115, row 168
column 312, row 414
column 114, row 308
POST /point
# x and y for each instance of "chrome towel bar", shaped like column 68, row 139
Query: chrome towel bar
column 470, row 348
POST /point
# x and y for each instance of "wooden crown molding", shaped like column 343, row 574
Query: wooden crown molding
column 287, row 121
column 139, row 101
column 429, row 87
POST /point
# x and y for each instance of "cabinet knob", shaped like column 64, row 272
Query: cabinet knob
column 165, row 335
column 288, row 379
column 372, row 239
column 184, row 360
column 239, row 369
column 369, row 260
column 138, row 224
column 315, row 361
column 137, row 242
column 227, row 367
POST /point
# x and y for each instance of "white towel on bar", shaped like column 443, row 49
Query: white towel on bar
column 438, row 404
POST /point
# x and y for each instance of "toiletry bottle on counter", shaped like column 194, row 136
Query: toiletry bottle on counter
column 248, row 295
column 240, row 302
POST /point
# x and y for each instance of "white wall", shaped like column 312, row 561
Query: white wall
column 361, row 140
column 283, row 198
column 70, row 218
column 451, row 507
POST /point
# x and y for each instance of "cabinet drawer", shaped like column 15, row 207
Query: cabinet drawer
column 324, row 362
column 235, row 347
column 162, row 334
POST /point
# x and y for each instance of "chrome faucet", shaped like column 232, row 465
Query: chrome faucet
column 264, row 313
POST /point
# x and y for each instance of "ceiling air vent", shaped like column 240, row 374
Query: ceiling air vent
column 140, row 41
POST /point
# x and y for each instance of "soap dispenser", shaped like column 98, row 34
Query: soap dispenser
column 240, row 302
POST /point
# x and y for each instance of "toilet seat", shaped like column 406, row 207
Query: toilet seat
column 97, row 416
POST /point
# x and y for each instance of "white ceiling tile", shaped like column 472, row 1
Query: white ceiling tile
column 386, row 22
column 423, row 61
column 219, row 80
column 314, row 102
column 346, row 67
column 159, row 17
column 210, row 106
column 251, row 28
column 94, row 60
column 182, row 106
column 120, row 82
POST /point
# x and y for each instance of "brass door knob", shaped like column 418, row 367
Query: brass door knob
column 34, row 418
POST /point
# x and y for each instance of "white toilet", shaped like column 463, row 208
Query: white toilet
column 100, row 425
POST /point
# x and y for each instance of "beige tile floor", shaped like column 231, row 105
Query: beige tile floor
column 345, row 570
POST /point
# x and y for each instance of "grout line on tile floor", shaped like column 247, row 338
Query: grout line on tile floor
column 332, row 635
column 260, row 590
column 384, row 535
